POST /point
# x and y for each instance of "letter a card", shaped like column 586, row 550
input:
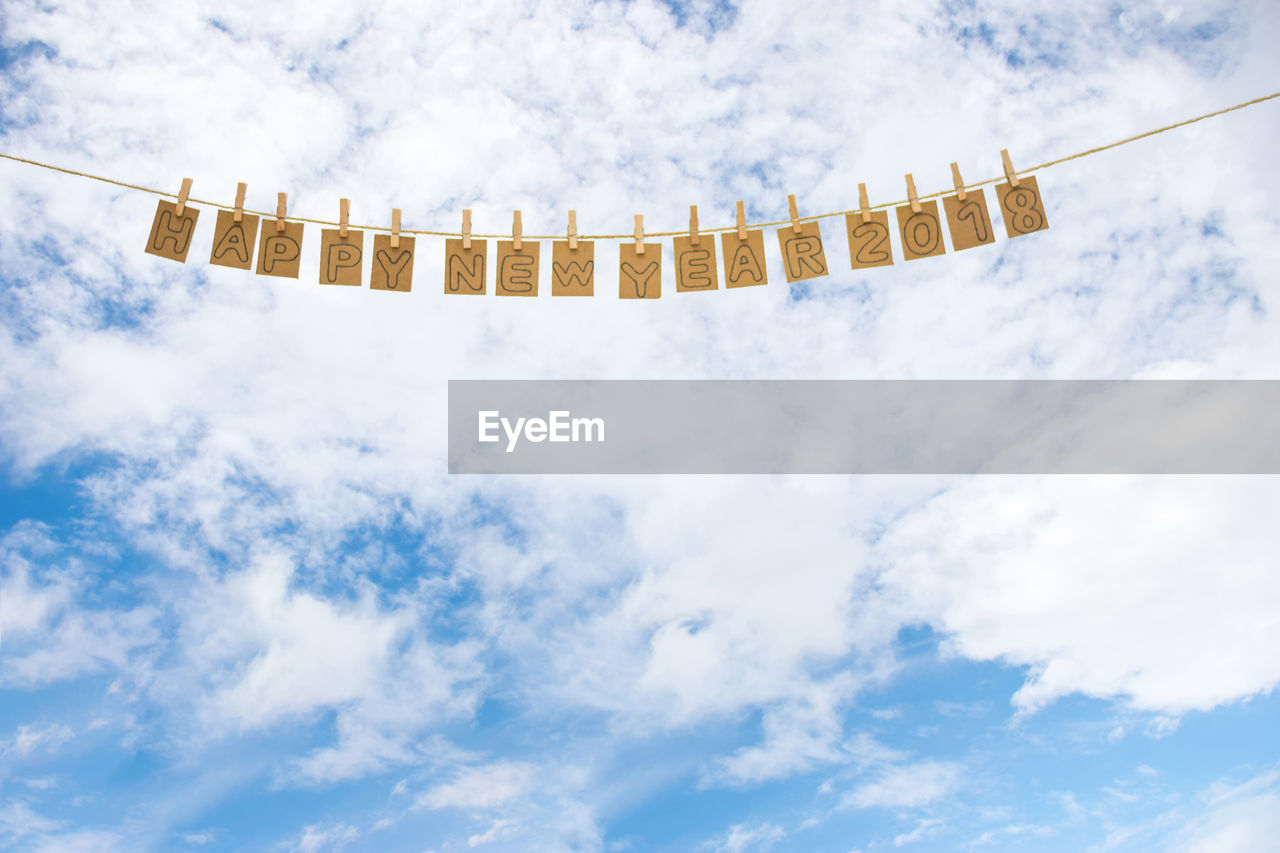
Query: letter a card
column 743, row 259
column 233, row 242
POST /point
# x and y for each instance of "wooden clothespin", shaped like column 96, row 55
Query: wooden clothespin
column 742, row 221
column 958, row 181
column 466, row 229
column 182, row 196
column 238, row 214
column 573, row 230
column 344, row 209
column 911, row 195
column 864, row 205
column 639, row 233
column 794, row 213
column 281, row 198
column 395, row 228
column 515, row 230
column 693, row 225
column 1009, row 175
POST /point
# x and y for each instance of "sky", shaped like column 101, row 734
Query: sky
column 244, row 607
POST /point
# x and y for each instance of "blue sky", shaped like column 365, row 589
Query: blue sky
column 243, row 607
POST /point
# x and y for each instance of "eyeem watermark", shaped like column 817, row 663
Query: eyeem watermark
column 559, row 425
column 1039, row 427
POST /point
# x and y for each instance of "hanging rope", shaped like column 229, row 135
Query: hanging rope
column 884, row 206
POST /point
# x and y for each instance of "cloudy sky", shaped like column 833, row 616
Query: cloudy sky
column 245, row 608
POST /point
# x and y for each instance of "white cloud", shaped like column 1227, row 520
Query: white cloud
column 798, row 735
column 1242, row 827
column 22, row 828
column 485, row 787
column 316, row 839
column 743, row 837
column 1227, row 817
column 48, row 636
column 924, row 829
column 906, row 786
column 250, row 427
column 500, row 829
column 30, row 738
column 1169, row 608
column 267, row 651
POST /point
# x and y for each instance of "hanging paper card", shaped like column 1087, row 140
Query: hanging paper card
column 171, row 234
column 869, row 244
column 695, row 265
column 921, row 233
column 573, row 270
column 968, row 221
column 233, row 242
column 802, row 255
column 464, row 270
column 280, row 252
column 1022, row 208
column 341, row 258
column 391, row 269
column 743, row 259
column 639, row 276
column 517, row 269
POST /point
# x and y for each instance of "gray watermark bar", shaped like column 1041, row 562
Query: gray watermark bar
column 1132, row 426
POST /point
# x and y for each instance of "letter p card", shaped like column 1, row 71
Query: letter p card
column 341, row 258
column 280, row 252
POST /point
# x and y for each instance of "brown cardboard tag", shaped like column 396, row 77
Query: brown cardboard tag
column 1022, row 207
column 695, row 265
column 342, row 258
column 280, row 254
column 391, row 269
column 921, row 233
column 639, row 276
column 869, row 244
column 517, row 271
column 464, row 270
column 573, row 271
column 171, row 234
column 968, row 220
column 234, row 242
column 802, row 255
column 743, row 259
